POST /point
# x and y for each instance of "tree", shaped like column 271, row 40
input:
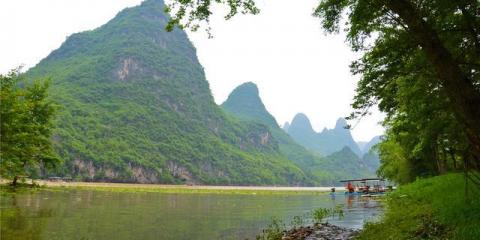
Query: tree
column 438, row 40
column 26, row 116
column 442, row 37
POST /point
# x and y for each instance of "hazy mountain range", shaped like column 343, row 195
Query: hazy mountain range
column 328, row 140
column 244, row 102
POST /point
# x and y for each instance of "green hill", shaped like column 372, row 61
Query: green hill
column 244, row 102
column 134, row 106
column 349, row 166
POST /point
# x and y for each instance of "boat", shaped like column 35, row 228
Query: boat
column 365, row 187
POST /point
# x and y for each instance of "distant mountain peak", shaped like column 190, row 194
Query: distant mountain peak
column 301, row 121
column 346, row 149
column 248, row 87
column 325, row 142
column 285, row 126
column 245, row 102
column 341, row 123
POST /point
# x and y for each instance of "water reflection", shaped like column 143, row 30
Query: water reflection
column 113, row 215
column 357, row 210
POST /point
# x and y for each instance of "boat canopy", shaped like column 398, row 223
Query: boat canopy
column 363, row 180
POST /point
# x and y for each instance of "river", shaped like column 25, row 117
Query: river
column 91, row 214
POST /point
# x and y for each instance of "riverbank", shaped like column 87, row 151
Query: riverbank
column 433, row 208
column 134, row 187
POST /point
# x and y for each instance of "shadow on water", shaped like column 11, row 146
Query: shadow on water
column 85, row 214
column 26, row 220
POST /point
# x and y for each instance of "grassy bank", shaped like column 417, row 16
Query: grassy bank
column 126, row 187
column 433, row 208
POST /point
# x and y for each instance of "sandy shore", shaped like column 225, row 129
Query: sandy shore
column 184, row 187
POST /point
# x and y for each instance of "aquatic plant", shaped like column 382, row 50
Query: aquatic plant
column 274, row 231
column 277, row 228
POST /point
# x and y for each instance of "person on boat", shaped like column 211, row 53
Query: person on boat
column 367, row 189
column 350, row 187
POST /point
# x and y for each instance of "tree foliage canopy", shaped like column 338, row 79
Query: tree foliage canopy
column 420, row 66
column 26, row 126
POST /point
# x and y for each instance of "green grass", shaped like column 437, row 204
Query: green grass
column 433, row 208
column 197, row 191
column 7, row 189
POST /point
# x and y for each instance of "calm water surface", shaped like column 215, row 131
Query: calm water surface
column 86, row 214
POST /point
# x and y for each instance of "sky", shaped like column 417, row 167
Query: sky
column 296, row 66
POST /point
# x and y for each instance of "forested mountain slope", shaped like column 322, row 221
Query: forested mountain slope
column 346, row 164
column 134, row 106
column 245, row 103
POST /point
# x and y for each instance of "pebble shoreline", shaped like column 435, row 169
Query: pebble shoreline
column 322, row 231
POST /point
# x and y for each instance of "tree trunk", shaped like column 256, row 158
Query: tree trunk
column 464, row 98
column 444, row 159
column 454, row 160
column 437, row 159
column 15, row 180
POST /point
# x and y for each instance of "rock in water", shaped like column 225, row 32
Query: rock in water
column 323, row 231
